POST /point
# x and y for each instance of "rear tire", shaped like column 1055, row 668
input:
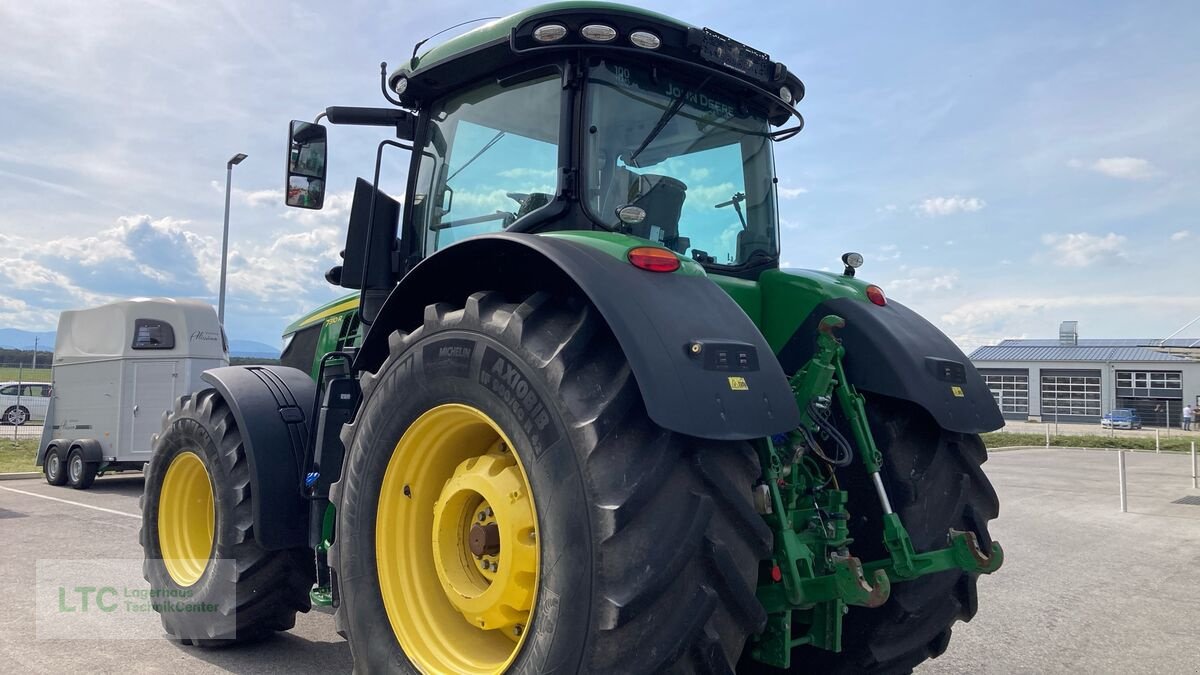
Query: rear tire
column 649, row 542
column 80, row 473
column 54, row 468
column 935, row 482
column 256, row 592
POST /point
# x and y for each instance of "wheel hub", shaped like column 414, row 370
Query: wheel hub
column 456, row 544
column 483, row 504
column 186, row 518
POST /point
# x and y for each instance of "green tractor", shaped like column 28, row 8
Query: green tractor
column 575, row 418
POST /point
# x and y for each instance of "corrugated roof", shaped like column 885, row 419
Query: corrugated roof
column 1024, row 351
column 1105, row 342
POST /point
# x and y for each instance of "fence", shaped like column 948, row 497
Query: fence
column 25, row 389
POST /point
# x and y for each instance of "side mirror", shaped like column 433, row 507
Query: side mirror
column 306, row 165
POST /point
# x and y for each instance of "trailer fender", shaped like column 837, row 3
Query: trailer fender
column 89, row 448
column 40, row 460
column 272, row 406
column 703, row 367
column 892, row 351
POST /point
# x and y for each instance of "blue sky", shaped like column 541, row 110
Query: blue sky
column 1002, row 166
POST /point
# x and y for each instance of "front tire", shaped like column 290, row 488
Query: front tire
column 647, row 541
column 54, row 468
column 198, row 539
column 16, row 415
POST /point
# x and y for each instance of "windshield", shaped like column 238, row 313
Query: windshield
column 491, row 158
column 694, row 161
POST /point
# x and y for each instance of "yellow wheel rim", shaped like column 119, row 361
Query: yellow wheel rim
column 456, row 543
column 186, row 518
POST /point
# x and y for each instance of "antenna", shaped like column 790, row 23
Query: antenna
column 418, row 45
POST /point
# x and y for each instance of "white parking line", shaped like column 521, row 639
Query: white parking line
column 68, row 501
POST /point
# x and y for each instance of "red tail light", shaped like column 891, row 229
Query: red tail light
column 875, row 295
column 653, row 259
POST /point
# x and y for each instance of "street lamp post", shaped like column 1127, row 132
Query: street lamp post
column 236, row 159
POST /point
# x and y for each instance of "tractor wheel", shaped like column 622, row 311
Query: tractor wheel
column 54, row 468
column 80, row 474
column 198, row 539
column 935, row 483
column 508, row 506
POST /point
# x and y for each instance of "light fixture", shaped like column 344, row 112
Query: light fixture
column 598, row 32
column 875, row 295
column 786, row 95
column 645, row 39
column 236, row 159
column 401, row 86
column 631, row 215
column 550, row 32
column 852, row 261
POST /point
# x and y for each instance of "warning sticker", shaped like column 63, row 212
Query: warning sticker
column 738, row 384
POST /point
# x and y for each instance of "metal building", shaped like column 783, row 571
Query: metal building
column 1078, row 380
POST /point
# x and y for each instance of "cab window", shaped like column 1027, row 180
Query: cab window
column 491, row 158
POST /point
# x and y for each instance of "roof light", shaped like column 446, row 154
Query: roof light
column 550, row 32
column 852, row 261
column 786, row 95
column 401, row 86
column 645, row 39
column 598, row 32
column 875, row 295
column 631, row 215
column 653, row 259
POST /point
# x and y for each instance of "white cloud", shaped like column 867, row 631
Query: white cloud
column 886, row 252
column 987, row 321
column 1181, row 235
column 791, row 192
column 1128, row 168
column 1081, row 249
column 948, row 206
column 918, row 280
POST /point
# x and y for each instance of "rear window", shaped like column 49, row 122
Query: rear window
column 153, row 334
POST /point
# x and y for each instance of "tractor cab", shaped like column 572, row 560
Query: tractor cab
column 567, row 119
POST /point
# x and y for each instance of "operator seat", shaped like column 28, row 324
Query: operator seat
column 661, row 197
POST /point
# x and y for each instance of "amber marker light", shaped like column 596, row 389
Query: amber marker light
column 653, row 259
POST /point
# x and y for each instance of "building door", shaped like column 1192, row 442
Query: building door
column 1071, row 396
column 154, row 393
column 1156, row 395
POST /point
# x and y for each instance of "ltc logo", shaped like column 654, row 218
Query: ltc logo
column 79, row 598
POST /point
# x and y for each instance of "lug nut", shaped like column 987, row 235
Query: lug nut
column 482, row 516
column 489, row 512
column 517, row 630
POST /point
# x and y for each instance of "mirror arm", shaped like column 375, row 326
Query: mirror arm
column 384, row 88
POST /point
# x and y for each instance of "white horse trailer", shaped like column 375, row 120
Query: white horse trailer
column 117, row 369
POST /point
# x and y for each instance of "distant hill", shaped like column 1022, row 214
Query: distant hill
column 15, row 338
column 252, row 349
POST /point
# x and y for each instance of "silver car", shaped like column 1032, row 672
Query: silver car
column 23, row 401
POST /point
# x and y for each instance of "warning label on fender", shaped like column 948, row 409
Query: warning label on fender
column 503, row 379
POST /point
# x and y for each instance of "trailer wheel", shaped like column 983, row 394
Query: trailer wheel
column 508, row 505
column 53, row 467
column 80, row 474
column 198, row 540
column 935, row 482
column 16, row 415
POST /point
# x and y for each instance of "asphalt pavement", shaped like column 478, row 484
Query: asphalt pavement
column 1084, row 588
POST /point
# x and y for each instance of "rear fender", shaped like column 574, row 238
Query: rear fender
column 893, row 351
column 272, row 406
column 655, row 318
